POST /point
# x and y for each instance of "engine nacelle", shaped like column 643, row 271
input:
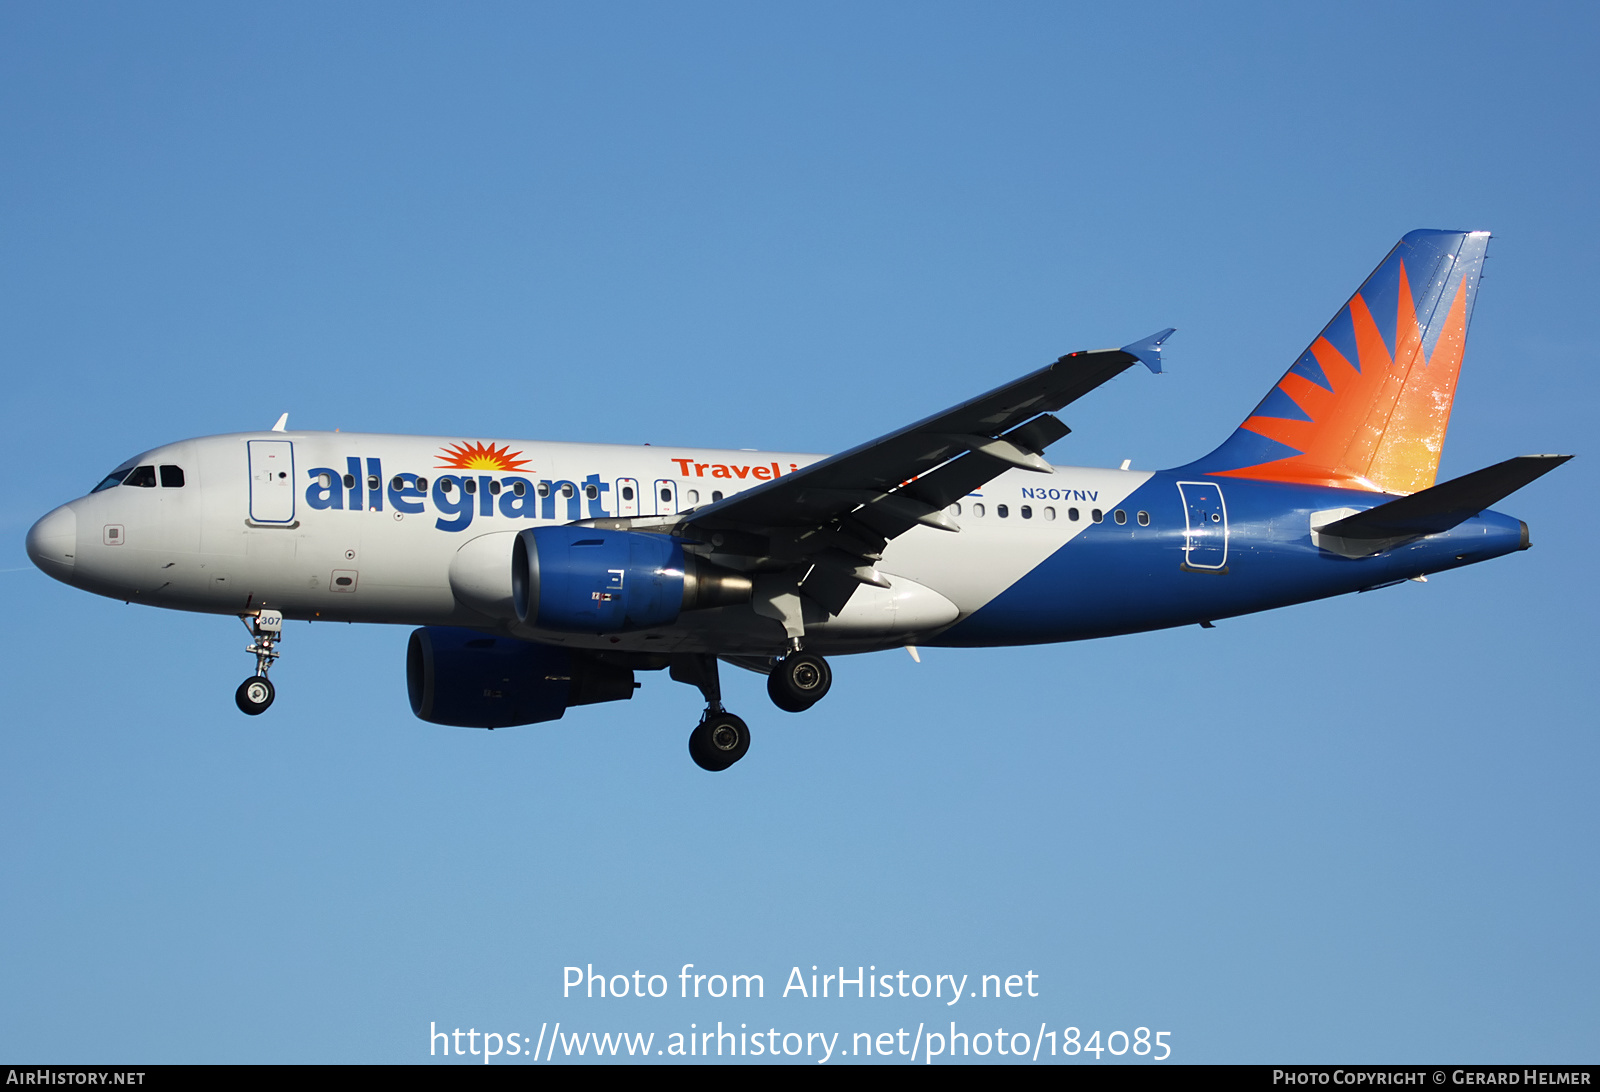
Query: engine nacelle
column 468, row 679
column 585, row 580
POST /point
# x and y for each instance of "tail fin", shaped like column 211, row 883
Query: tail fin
column 1367, row 405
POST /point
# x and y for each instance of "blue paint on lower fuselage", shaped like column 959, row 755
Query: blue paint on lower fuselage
column 1114, row 579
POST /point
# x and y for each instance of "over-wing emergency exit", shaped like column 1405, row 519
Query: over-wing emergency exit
column 544, row 576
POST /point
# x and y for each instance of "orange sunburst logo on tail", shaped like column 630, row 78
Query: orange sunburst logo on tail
column 480, row 457
column 1382, row 425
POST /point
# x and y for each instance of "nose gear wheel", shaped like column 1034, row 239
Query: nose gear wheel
column 256, row 693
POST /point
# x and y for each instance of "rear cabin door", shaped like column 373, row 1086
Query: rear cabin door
column 271, row 481
column 1205, row 544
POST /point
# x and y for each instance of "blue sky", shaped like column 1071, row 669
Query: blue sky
column 1358, row 829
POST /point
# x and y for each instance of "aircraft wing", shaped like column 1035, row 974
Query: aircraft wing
column 835, row 516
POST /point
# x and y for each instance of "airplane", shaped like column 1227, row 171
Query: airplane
column 543, row 576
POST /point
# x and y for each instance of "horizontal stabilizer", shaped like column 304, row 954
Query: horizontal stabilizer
column 1441, row 507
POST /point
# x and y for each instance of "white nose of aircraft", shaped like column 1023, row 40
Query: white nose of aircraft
column 53, row 541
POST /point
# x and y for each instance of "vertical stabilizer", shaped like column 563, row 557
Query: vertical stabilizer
column 1367, row 404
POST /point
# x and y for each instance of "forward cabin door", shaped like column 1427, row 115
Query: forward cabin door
column 1205, row 546
column 271, row 481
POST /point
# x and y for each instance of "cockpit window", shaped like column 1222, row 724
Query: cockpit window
column 112, row 480
column 171, row 477
column 142, row 476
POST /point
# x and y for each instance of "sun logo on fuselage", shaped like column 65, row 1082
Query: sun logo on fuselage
column 480, row 457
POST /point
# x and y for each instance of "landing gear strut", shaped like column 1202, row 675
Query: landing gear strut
column 798, row 681
column 255, row 694
column 721, row 739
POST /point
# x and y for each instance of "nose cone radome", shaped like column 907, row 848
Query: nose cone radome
column 53, row 541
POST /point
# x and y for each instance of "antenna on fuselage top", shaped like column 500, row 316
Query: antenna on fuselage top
column 282, row 425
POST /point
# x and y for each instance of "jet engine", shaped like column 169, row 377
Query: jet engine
column 466, row 679
column 585, row 580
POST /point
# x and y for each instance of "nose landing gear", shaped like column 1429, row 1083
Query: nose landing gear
column 255, row 694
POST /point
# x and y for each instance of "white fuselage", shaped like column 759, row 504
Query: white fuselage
column 334, row 526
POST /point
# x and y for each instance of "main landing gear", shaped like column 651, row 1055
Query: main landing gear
column 720, row 739
column 255, row 694
column 798, row 681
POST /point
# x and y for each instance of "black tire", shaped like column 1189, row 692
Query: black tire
column 254, row 695
column 721, row 740
column 799, row 681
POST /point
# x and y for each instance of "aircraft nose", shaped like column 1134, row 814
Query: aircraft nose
column 53, row 541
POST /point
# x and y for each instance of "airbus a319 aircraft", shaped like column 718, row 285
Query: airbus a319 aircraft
column 543, row 576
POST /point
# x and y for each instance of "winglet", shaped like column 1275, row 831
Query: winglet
column 282, row 425
column 1149, row 350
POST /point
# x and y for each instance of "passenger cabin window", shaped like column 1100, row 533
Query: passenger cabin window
column 1002, row 511
column 627, row 492
column 1049, row 513
column 716, row 495
column 977, row 510
column 1144, row 519
column 1027, row 511
column 1097, row 515
column 349, row 479
column 470, row 485
column 666, row 495
column 520, row 488
column 1121, row 516
column 171, row 477
column 955, row 509
column 1073, row 514
column 142, row 476
column 591, row 491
